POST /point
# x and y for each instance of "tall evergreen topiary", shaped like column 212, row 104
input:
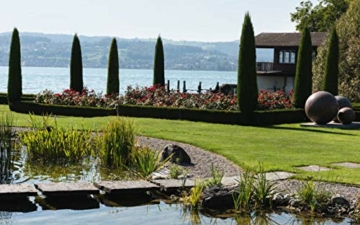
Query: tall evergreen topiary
column 76, row 67
column 303, row 77
column 113, row 83
column 330, row 82
column 247, row 90
column 14, row 82
column 159, row 70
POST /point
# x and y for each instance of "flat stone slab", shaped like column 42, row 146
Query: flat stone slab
column 313, row 168
column 347, row 165
column 56, row 189
column 279, row 175
column 353, row 125
column 170, row 184
column 230, row 181
column 125, row 187
column 17, row 190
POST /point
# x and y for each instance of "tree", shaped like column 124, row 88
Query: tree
column 113, row 83
column 159, row 71
column 348, row 31
column 247, row 90
column 321, row 17
column 76, row 67
column 330, row 83
column 303, row 76
column 15, row 82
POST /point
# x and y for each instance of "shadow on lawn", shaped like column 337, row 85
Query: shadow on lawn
column 308, row 130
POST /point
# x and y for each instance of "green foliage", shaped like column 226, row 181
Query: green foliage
column 76, row 67
column 242, row 196
column 303, row 77
column 159, row 71
column 263, row 189
column 247, row 90
column 146, row 160
column 330, row 83
column 14, row 82
column 216, row 176
column 6, row 146
column 348, row 31
column 193, row 199
column 58, row 145
column 117, row 142
column 321, row 17
column 113, row 83
column 175, row 171
column 313, row 195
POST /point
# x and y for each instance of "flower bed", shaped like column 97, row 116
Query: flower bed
column 158, row 97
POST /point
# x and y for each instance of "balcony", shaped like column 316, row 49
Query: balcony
column 264, row 66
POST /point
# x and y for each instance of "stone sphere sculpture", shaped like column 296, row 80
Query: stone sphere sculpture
column 346, row 115
column 321, row 107
column 343, row 102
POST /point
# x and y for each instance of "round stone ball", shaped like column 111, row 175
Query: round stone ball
column 346, row 115
column 321, row 107
column 343, row 102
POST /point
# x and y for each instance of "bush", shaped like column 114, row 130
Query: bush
column 159, row 69
column 14, row 82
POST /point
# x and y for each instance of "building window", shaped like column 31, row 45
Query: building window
column 287, row 56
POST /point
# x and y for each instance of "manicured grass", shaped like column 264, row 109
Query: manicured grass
column 281, row 147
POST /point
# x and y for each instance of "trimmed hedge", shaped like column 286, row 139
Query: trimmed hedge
column 215, row 116
column 260, row 118
column 65, row 110
column 24, row 97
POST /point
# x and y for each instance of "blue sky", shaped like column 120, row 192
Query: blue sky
column 196, row 20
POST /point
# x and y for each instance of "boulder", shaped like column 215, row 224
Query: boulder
column 339, row 200
column 177, row 153
column 218, row 198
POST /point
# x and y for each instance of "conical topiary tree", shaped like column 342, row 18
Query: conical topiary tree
column 76, row 67
column 247, row 90
column 14, row 82
column 159, row 70
column 303, row 77
column 113, row 83
column 330, row 82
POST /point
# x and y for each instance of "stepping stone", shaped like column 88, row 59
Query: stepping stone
column 126, row 187
column 313, row 168
column 63, row 189
column 347, row 165
column 173, row 184
column 17, row 190
column 230, row 181
column 279, row 175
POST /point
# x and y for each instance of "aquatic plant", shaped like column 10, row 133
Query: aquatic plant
column 193, row 199
column 117, row 142
column 175, row 171
column 76, row 67
column 243, row 193
column 313, row 195
column 263, row 189
column 58, row 145
column 145, row 161
column 6, row 131
column 216, row 176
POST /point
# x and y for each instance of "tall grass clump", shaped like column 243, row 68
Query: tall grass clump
column 146, row 160
column 242, row 196
column 216, row 176
column 117, row 142
column 58, row 145
column 6, row 122
column 313, row 195
column 193, row 199
column 263, row 189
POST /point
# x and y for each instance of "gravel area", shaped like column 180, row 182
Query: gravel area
column 200, row 158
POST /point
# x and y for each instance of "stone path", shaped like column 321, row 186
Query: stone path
column 313, row 168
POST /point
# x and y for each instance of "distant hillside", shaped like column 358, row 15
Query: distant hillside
column 53, row 50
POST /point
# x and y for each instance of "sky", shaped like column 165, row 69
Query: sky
column 192, row 20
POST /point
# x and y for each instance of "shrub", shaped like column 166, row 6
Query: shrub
column 330, row 83
column 14, row 82
column 303, row 76
column 113, row 83
column 159, row 71
column 76, row 67
column 247, row 84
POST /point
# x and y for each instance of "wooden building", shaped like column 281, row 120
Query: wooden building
column 280, row 74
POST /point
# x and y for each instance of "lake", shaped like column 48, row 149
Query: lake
column 37, row 79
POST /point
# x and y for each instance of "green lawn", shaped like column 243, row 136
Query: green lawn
column 280, row 147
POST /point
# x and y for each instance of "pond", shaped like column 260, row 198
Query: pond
column 100, row 210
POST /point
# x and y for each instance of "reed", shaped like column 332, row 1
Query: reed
column 145, row 161
column 313, row 195
column 58, row 145
column 193, row 199
column 242, row 196
column 216, row 176
column 263, row 189
column 6, row 146
column 117, row 142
